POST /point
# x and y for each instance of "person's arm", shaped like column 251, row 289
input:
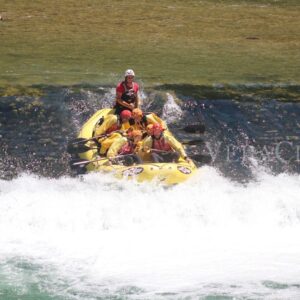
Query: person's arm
column 147, row 144
column 119, row 92
column 176, row 145
column 152, row 120
column 116, row 147
column 123, row 103
column 109, row 121
column 125, row 126
column 137, row 101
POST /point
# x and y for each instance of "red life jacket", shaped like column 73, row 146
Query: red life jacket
column 127, row 148
column 161, row 144
column 129, row 95
column 116, row 126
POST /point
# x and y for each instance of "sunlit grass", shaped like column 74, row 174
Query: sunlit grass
column 197, row 42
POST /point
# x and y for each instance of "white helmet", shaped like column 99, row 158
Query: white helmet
column 129, row 72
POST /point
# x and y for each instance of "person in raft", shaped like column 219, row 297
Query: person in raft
column 123, row 150
column 127, row 93
column 163, row 147
column 109, row 129
column 140, row 121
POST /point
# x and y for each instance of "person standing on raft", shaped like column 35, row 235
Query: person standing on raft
column 127, row 93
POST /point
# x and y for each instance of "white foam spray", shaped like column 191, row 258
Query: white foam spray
column 171, row 110
column 208, row 232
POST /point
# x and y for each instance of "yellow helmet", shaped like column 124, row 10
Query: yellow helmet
column 135, row 133
column 137, row 113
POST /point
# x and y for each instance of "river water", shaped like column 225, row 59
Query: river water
column 231, row 232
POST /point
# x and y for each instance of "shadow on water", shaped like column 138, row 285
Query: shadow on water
column 246, row 126
column 244, row 136
column 240, row 92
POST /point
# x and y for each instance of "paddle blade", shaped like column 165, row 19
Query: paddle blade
column 193, row 142
column 202, row 158
column 79, row 163
column 78, row 141
column 77, row 148
column 194, row 128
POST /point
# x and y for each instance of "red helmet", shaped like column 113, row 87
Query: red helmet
column 157, row 127
column 125, row 114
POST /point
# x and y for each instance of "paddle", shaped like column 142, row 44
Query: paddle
column 82, row 140
column 77, row 145
column 75, row 163
column 193, row 142
column 76, row 149
column 82, row 162
column 194, row 128
column 202, row 158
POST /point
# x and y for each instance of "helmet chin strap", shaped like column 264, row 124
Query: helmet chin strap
column 157, row 138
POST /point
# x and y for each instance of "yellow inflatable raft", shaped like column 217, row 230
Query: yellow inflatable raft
column 167, row 173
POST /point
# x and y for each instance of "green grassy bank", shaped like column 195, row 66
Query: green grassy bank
column 166, row 42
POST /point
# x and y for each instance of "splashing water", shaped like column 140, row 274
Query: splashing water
column 171, row 110
column 94, row 236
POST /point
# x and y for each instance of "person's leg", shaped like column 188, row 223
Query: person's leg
column 174, row 156
column 118, row 109
column 157, row 158
column 108, row 141
column 137, row 160
column 131, row 159
column 169, row 157
column 127, row 160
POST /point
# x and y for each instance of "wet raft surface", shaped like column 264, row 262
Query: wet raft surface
column 241, row 132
